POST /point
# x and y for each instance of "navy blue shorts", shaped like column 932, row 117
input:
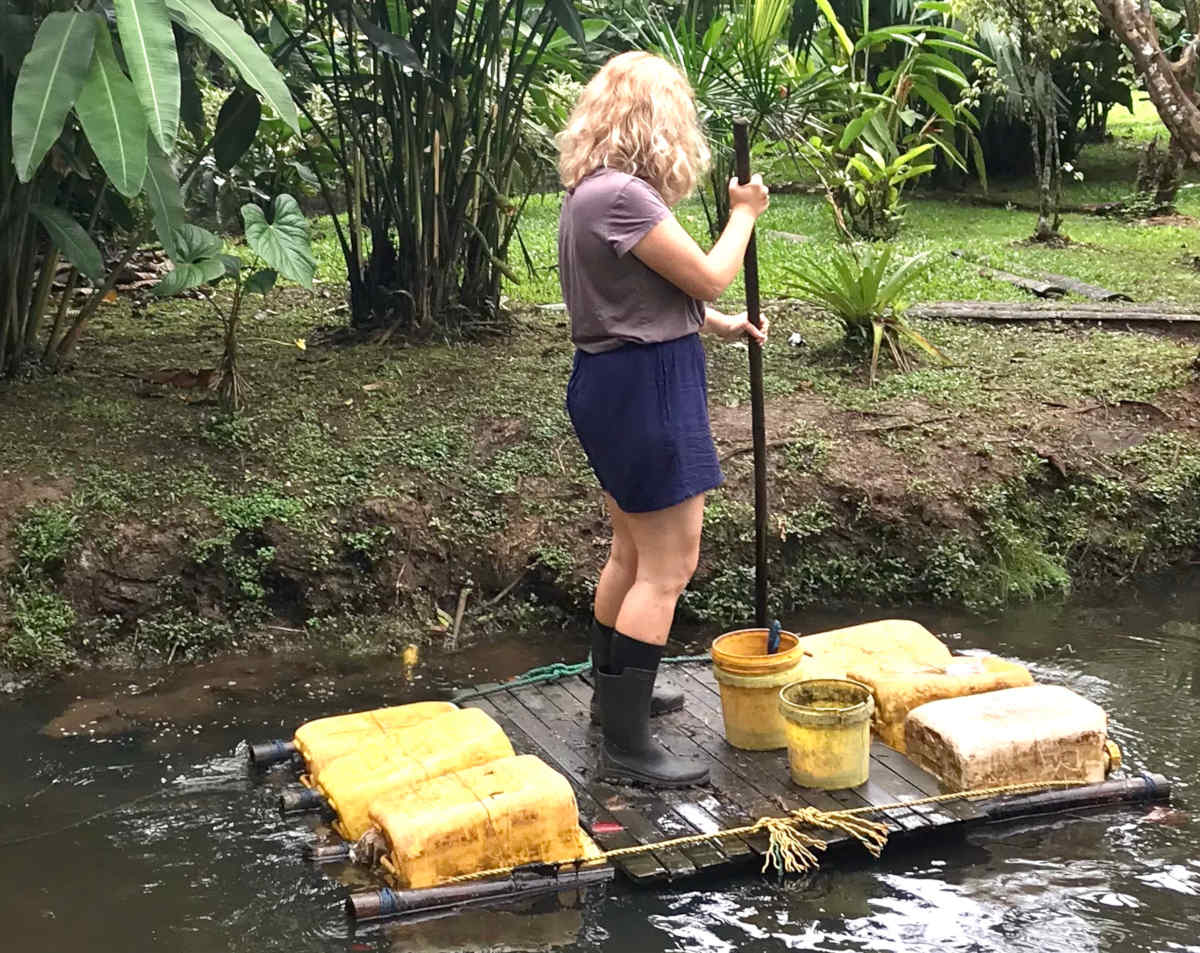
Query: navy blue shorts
column 641, row 414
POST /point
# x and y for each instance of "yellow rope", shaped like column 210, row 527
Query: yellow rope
column 792, row 850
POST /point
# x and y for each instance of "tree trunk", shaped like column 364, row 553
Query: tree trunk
column 1171, row 84
column 1045, row 160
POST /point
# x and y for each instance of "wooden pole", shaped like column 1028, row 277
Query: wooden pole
column 741, row 151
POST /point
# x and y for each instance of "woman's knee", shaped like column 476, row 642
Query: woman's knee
column 668, row 581
column 623, row 556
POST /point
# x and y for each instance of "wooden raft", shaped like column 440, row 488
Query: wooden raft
column 551, row 720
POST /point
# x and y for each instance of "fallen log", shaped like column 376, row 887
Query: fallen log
column 1011, row 311
column 1085, row 290
column 1040, row 287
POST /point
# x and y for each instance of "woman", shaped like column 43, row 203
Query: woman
column 634, row 283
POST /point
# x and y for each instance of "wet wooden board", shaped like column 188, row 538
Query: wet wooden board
column 552, row 721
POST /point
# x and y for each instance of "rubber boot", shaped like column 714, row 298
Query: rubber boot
column 629, row 753
column 662, row 702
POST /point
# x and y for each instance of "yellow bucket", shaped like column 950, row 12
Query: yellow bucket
column 750, row 680
column 828, row 732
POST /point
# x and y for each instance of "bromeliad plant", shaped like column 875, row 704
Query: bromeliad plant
column 98, row 98
column 860, row 287
column 280, row 248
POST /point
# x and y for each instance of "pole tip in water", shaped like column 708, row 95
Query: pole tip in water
column 773, row 637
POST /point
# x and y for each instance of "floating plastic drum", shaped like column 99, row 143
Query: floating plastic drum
column 828, row 732
column 750, row 681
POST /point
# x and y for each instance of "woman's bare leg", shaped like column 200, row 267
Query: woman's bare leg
column 667, row 543
column 618, row 575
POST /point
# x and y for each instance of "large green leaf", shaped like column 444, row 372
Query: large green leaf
column 197, row 259
column 854, row 127
column 237, row 125
column 166, row 202
column 70, row 239
column 149, row 46
column 933, row 96
column 111, row 115
column 831, row 18
column 240, row 51
column 51, row 77
column 193, row 244
column 567, row 17
column 283, row 243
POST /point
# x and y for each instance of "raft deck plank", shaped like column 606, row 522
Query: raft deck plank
column 552, row 721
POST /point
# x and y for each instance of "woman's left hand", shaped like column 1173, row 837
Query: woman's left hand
column 733, row 326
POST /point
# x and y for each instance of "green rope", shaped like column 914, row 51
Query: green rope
column 554, row 672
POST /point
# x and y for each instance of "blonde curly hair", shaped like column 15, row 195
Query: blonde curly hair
column 637, row 115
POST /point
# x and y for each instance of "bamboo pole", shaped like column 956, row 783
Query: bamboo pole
column 741, row 149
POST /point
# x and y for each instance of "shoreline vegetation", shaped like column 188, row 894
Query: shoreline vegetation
column 373, row 495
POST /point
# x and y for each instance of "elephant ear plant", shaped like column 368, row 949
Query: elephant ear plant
column 97, row 100
column 279, row 248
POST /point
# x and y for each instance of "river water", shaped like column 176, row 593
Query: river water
column 131, row 822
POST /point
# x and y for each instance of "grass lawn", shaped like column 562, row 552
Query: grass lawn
column 1147, row 262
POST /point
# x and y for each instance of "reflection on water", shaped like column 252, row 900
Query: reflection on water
column 178, row 848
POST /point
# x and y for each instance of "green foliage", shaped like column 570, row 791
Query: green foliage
column 283, row 243
column 861, row 289
column 739, row 66
column 805, row 523
column 434, row 448
column 368, row 543
column 247, row 512
column 808, row 449
column 883, row 125
column 111, row 116
column 198, row 260
column 237, row 125
column 165, row 199
column 70, row 66
column 227, row 38
column 44, row 537
column 71, row 240
column 39, row 624
column 429, row 102
column 51, row 76
column 557, row 559
column 149, row 43
column 180, row 634
column 227, row 430
column 247, row 571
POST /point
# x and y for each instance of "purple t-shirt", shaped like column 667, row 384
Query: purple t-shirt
column 611, row 297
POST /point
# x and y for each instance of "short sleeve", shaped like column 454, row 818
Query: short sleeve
column 636, row 209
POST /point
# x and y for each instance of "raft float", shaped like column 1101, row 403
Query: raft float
column 871, row 735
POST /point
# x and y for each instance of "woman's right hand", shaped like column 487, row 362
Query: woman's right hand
column 753, row 196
